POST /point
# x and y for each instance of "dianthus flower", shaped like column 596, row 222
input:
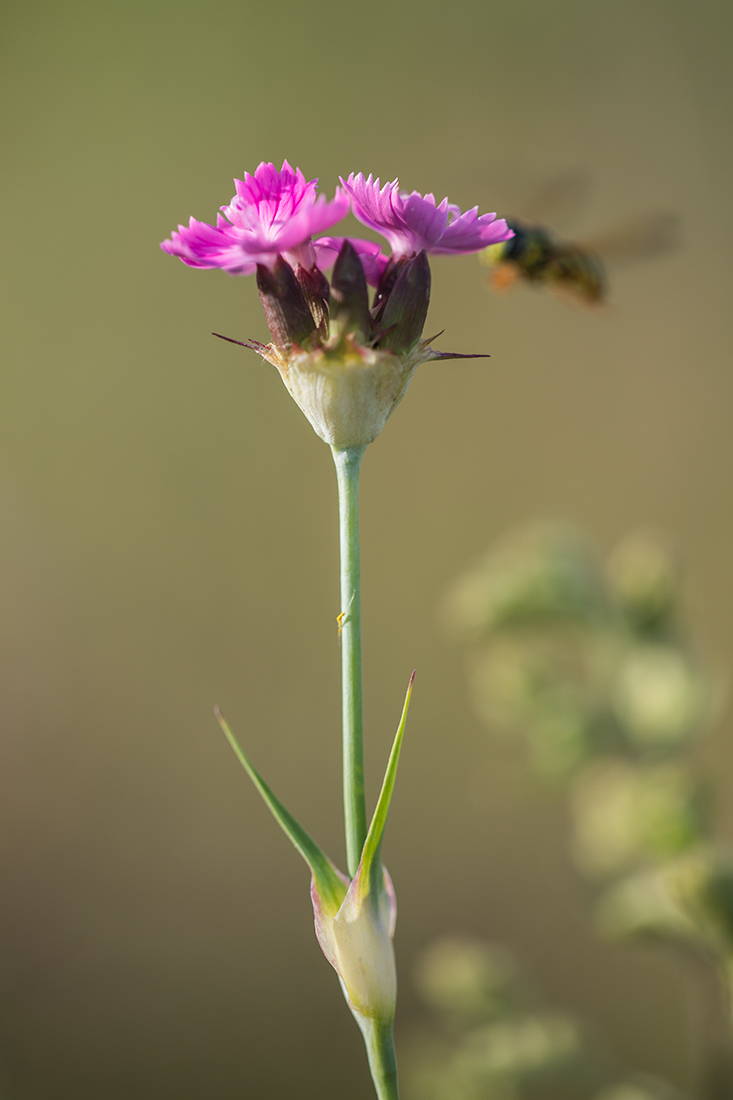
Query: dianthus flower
column 272, row 213
column 346, row 361
column 413, row 222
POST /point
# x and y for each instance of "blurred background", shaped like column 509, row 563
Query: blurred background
column 168, row 517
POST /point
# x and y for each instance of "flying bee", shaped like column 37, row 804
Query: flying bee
column 536, row 257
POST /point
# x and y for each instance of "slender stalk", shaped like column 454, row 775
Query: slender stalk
column 380, row 1052
column 347, row 463
column 377, row 1034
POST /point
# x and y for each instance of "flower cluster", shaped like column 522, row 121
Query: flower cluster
column 347, row 363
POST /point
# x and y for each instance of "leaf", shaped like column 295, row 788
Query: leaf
column 370, row 855
column 330, row 883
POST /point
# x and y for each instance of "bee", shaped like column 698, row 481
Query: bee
column 533, row 255
column 577, row 272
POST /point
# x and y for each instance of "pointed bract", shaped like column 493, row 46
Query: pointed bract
column 350, row 298
column 384, row 288
column 288, row 317
column 406, row 309
column 372, row 258
column 330, row 883
column 355, row 921
column 317, row 292
column 373, row 843
column 360, row 935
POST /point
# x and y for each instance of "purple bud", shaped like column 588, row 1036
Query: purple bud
column 404, row 314
column 286, row 310
column 316, row 290
column 387, row 281
column 350, row 300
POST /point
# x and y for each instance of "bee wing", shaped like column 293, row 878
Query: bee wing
column 574, row 297
column 558, row 200
column 640, row 237
column 520, row 194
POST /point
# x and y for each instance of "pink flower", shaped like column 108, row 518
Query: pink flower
column 372, row 258
column 415, row 222
column 202, row 245
column 273, row 213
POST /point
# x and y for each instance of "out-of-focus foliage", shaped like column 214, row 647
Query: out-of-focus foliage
column 581, row 658
column 689, row 899
column 591, row 665
column 468, row 981
column 625, row 815
column 496, row 1041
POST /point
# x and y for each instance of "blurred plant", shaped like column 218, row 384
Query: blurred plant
column 496, row 1041
column 347, row 364
column 591, row 665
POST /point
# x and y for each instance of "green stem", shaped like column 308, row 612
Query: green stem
column 380, row 1052
column 377, row 1036
column 347, row 463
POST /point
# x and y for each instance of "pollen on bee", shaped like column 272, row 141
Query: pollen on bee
column 504, row 276
column 493, row 254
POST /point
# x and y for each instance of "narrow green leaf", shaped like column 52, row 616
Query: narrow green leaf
column 330, row 883
column 373, row 842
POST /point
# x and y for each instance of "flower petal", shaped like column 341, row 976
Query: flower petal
column 425, row 222
column 412, row 222
column 470, row 233
column 202, row 245
column 271, row 212
column 376, row 207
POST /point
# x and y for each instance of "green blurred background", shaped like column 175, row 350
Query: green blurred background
column 168, row 517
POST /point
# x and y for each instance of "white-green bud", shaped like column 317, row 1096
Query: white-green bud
column 357, row 941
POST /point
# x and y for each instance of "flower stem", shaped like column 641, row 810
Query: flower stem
column 377, row 1035
column 347, row 463
column 380, row 1052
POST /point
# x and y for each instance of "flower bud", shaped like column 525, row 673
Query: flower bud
column 387, row 280
column 316, row 291
column 288, row 317
column 350, row 300
column 357, row 941
column 355, row 920
column 407, row 306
